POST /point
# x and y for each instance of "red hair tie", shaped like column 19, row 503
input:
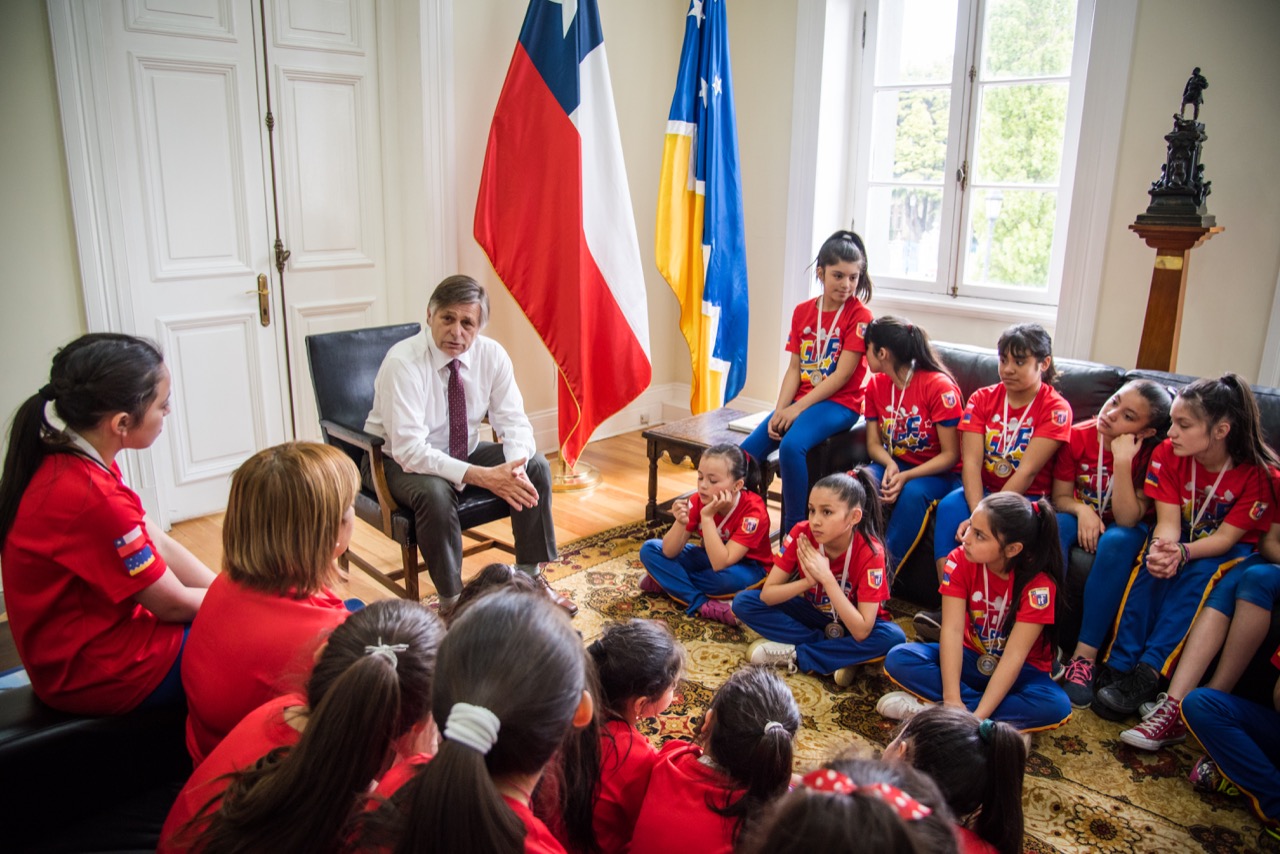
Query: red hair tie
column 835, row 783
column 1035, row 507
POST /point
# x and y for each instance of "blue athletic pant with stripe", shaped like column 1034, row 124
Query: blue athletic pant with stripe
column 1243, row 738
column 917, row 498
column 798, row 622
column 1034, row 700
column 689, row 579
column 1113, row 565
column 1157, row 612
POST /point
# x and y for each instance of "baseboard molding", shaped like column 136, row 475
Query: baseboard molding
column 656, row 405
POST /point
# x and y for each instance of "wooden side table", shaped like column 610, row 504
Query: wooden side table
column 686, row 440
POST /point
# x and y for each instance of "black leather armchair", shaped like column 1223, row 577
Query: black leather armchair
column 343, row 368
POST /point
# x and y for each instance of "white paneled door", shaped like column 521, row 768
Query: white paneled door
column 223, row 234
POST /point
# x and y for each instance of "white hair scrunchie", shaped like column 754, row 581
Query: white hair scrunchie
column 473, row 726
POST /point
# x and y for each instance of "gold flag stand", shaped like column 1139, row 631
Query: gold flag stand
column 581, row 478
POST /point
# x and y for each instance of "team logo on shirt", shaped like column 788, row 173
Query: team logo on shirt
column 946, row 571
column 967, row 418
column 749, row 524
column 135, row 551
column 1060, row 417
column 862, row 330
column 1153, row 473
column 875, row 577
column 1256, row 511
column 1038, row 597
column 949, row 399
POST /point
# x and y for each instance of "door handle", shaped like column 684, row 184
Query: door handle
column 264, row 300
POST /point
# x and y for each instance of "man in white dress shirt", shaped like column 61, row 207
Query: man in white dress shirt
column 430, row 396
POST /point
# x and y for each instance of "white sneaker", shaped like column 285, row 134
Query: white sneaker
column 846, row 676
column 900, row 705
column 769, row 652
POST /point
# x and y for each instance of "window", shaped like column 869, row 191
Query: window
column 966, row 134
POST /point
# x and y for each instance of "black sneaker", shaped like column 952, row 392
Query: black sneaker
column 928, row 625
column 1122, row 698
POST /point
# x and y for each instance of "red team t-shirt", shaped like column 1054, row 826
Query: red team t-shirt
column 262, row 731
column 1243, row 496
column 973, row 583
column 675, row 816
column 748, row 523
column 246, row 647
column 847, row 333
column 1077, row 463
column 867, row 580
column 77, row 554
column 909, row 418
column 1048, row 416
column 626, row 761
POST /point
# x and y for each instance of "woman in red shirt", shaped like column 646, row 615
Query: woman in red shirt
column 97, row 594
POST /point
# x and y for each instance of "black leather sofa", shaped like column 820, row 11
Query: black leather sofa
column 1086, row 386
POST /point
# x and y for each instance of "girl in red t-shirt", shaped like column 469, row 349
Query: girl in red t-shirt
column 730, row 516
column 294, row 773
column 97, row 594
column 997, row 643
column 1008, row 435
column 822, row 608
column 821, row 393
column 289, row 516
column 638, row 665
column 1103, row 511
column 702, row 796
column 912, row 407
column 1211, row 486
column 510, row 685
column 978, row 765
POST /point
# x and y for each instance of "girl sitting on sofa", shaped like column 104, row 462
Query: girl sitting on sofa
column 1097, row 491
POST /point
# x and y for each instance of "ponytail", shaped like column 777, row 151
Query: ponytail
column 999, row 819
column 1016, row 519
column 514, row 659
column 95, row 376
column 859, row 489
column 1159, row 400
column 907, row 343
column 638, row 658
column 978, row 766
column 752, row 737
column 1229, row 397
column 567, row 791
column 371, row 686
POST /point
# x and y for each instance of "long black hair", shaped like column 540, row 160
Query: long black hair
column 907, row 343
column 1016, row 519
column 978, row 765
column 741, row 465
column 742, row 739
column 1229, row 398
column 635, row 659
column 1029, row 339
column 304, row 798
column 95, row 376
column 858, row 489
column 515, row 654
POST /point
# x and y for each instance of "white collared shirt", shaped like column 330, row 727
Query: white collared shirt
column 411, row 405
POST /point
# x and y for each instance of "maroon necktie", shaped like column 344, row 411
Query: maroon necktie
column 457, row 414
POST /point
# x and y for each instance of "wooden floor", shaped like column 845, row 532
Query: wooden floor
column 619, row 499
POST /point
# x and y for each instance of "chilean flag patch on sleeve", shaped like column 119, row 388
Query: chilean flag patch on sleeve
column 135, row 551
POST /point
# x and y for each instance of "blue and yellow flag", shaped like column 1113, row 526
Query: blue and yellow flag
column 701, row 250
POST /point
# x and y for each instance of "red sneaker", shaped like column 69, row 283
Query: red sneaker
column 718, row 610
column 1163, row 727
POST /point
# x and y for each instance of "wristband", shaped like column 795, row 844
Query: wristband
column 1184, row 554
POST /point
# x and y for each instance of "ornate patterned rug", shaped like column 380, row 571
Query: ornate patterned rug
column 1086, row 791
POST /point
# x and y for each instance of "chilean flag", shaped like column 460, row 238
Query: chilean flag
column 554, row 216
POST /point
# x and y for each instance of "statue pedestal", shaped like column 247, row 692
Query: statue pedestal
column 1163, row 325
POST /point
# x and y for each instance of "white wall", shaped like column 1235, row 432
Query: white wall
column 40, row 302
column 1231, row 278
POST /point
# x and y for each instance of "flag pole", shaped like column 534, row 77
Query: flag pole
column 581, row 478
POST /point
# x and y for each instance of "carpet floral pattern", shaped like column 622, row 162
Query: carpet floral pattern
column 1086, row 791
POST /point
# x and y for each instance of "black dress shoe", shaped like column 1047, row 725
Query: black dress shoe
column 1122, row 697
column 555, row 596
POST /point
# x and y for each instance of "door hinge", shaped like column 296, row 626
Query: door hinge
column 271, row 122
column 973, row 73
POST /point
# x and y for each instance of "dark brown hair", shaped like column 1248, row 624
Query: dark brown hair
column 1229, row 398
column 858, row 489
column 495, row 576
column 1016, row 519
column 978, row 765
column 847, row 246
column 1029, row 339
column 95, row 376
column 907, row 343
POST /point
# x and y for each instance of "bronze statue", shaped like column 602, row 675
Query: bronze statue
column 1193, row 94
